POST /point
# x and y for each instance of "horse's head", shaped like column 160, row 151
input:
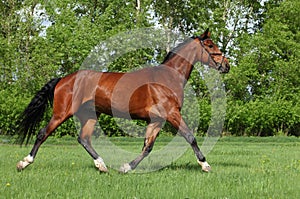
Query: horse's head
column 211, row 54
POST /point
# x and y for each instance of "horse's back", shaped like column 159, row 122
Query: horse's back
column 132, row 94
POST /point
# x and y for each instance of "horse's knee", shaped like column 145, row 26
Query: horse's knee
column 148, row 146
column 81, row 141
column 149, row 149
column 84, row 141
column 190, row 139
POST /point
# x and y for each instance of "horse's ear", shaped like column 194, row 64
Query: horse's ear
column 205, row 35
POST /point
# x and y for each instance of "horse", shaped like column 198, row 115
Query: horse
column 153, row 94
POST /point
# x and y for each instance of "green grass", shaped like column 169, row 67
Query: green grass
column 242, row 168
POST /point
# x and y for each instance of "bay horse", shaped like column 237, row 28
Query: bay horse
column 153, row 94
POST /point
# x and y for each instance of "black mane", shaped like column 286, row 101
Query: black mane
column 173, row 52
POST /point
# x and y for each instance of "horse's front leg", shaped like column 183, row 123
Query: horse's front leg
column 98, row 161
column 151, row 134
column 200, row 157
column 177, row 121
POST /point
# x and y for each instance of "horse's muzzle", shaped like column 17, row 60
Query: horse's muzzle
column 223, row 67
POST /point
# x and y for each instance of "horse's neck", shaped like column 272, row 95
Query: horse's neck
column 183, row 62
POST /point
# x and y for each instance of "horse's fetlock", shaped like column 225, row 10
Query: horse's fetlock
column 29, row 159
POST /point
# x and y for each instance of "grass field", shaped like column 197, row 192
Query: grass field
column 241, row 168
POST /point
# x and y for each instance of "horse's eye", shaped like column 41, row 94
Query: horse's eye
column 210, row 46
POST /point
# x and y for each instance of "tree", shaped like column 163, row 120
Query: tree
column 42, row 40
column 267, row 71
column 9, row 24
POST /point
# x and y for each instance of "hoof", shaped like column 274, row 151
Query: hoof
column 205, row 166
column 20, row 166
column 100, row 165
column 23, row 164
column 125, row 168
column 102, row 168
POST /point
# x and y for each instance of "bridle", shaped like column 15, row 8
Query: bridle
column 219, row 65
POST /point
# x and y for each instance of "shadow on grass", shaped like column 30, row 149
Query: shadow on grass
column 195, row 167
column 232, row 164
column 189, row 166
column 185, row 166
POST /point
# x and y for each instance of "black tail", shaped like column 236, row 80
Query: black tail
column 33, row 114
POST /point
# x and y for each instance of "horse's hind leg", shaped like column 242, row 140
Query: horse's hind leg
column 41, row 137
column 151, row 134
column 87, row 127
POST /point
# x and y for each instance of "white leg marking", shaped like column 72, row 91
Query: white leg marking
column 205, row 166
column 125, row 168
column 99, row 163
column 26, row 161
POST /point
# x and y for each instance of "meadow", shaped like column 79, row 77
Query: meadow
column 242, row 167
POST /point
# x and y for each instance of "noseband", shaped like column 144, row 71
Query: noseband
column 219, row 65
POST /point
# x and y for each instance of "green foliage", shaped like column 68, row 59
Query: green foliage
column 264, row 117
column 12, row 98
column 109, row 126
column 42, row 40
column 263, row 87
